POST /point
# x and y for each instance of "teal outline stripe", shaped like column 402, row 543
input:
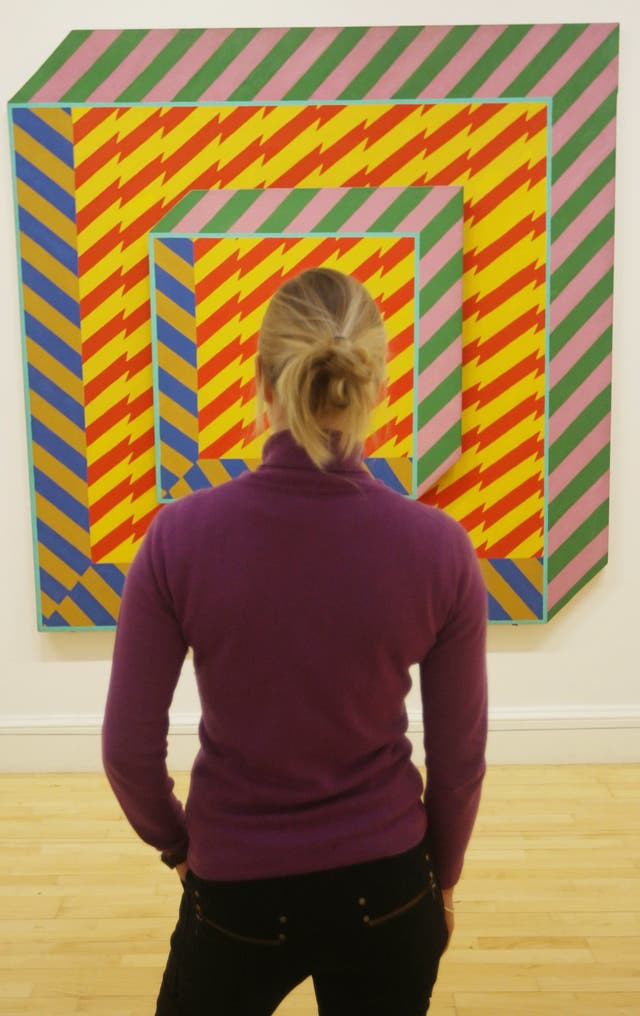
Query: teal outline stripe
column 424, row 101
column 157, row 104
column 281, row 236
column 257, row 235
column 155, row 367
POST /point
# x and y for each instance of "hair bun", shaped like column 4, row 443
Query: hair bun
column 322, row 346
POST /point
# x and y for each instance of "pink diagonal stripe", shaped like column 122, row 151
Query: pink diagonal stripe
column 319, row 206
column 240, row 68
column 378, row 202
column 133, row 65
column 578, row 567
column 580, row 399
column 437, row 199
column 576, row 174
column 200, row 214
column 264, row 206
column 402, row 68
column 443, row 421
column 292, row 69
column 467, row 56
column 582, row 108
column 579, row 343
column 77, row 65
column 576, row 515
column 594, row 442
column 442, row 310
column 442, row 253
column 575, row 57
column 580, row 228
column 346, row 71
column 439, row 472
column 509, row 69
column 189, row 64
column 584, row 281
column 441, row 368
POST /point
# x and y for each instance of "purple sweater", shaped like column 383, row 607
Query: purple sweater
column 305, row 596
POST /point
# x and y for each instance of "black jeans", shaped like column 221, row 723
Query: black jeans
column 370, row 935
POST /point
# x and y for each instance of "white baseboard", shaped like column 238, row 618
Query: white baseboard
column 32, row 744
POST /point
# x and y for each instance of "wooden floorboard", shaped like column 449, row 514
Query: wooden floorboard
column 548, row 909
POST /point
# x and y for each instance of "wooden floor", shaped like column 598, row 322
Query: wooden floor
column 548, row 910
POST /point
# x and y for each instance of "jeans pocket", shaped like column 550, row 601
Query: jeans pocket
column 375, row 922
column 225, row 913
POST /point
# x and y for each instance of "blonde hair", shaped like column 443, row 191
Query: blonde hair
column 323, row 349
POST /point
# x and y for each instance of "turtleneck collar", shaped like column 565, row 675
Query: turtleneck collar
column 282, row 450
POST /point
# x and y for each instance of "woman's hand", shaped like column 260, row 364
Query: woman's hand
column 449, row 916
column 182, row 870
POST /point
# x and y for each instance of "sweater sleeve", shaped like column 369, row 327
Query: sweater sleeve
column 148, row 655
column 454, row 700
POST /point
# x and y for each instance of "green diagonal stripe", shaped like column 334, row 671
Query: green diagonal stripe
column 578, row 540
column 548, row 57
column 565, row 158
column 236, row 206
column 583, row 253
column 440, row 340
column 102, row 67
column 585, row 75
column 215, row 65
column 441, row 223
column 66, row 49
column 165, row 60
column 171, row 218
column 583, row 424
column 598, row 566
column 422, row 77
column 288, row 210
column 573, row 206
column 579, row 316
column 385, row 57
column 265, row 70
column 403, row 205
column 347, row 206
column 580, row 484
column 441, row 283
column 439, row 452
column 335, row 53
column 580, row 371
column 486, row 65
column 440, row 396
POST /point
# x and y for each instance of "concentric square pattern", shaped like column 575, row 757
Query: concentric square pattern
column 430, row 162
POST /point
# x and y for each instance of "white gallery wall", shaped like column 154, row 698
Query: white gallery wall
column 568, row 691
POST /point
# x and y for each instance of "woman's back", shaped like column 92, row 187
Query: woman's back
column 306, row 590
column 306, row 595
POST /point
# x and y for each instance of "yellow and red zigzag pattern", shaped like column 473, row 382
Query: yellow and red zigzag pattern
column 134, row 163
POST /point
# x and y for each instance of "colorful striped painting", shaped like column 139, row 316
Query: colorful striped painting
column 506, row 425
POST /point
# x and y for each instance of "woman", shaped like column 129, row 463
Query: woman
column 306, row 590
